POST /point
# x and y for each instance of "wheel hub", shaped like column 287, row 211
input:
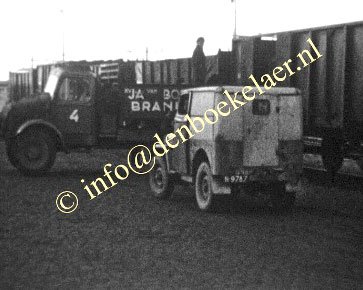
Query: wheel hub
column 158, row 177
column 33, row 153
column 205, row 188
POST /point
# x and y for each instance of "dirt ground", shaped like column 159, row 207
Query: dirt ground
column 126, row 239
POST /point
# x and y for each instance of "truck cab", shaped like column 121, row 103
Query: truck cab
column 77, row 110
column 255, row 149
column 59, row 119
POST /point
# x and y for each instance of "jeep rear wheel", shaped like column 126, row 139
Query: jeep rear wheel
column 281, row 200
column 360, row 163
column 203, row 188
column 332, row 155
column 32, row 152
column 160, row 181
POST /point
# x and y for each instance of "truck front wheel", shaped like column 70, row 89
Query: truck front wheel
column 32, row 152
column 203, row 188
column 160, row 180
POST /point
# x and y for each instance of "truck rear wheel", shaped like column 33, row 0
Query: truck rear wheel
column 203, row 188
column 160, row 180
column 332, row 155
column 32, row 152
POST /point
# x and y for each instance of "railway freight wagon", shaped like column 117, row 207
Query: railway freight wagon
column 27, row 82
column 331, row 86
column 22, row 84
column 167, row 72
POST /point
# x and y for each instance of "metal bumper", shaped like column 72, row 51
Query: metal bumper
column 256, row 176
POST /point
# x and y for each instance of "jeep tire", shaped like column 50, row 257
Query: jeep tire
column 160, row 180
column 281, row 200
column 203, row 188
column 332, row 155
column 360, row 163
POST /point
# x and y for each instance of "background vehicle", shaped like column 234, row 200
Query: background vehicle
column 257, row 148
column 331, row 88
column 94, row 104
column 76, row 110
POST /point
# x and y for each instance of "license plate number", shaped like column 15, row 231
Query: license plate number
column 236, row 178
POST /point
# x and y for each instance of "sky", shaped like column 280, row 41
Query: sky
column 32, row 31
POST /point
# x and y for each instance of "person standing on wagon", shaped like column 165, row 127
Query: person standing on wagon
column 198, row 63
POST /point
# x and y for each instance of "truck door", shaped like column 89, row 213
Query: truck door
column 261, row 132
column 73, row 110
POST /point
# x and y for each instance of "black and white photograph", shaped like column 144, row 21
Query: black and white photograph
column 172, row 144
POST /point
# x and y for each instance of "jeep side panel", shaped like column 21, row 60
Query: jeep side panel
column 203, row 142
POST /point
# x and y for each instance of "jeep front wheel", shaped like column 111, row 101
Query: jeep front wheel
column 32, row 152
column 160, row 181
column 203, row 188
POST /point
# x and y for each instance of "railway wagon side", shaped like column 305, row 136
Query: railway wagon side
column 331, row 87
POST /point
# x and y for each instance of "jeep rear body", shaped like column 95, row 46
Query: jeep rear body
column 260, row 142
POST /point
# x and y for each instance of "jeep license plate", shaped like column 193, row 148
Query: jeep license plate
column 236, row 178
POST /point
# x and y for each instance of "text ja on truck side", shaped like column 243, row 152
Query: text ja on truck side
column 76, row 111
column 255, row 149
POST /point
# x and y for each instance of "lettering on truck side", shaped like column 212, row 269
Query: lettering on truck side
column 148, row 99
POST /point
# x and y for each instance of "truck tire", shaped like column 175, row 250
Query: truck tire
column 160, row 180
column 9, row 152
column 32, row 153
column 203, row 188
column 280, row 199
column 332, row 155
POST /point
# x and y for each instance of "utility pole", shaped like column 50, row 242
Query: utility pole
column 235, row 19
column 147, row 53
column 62, row 34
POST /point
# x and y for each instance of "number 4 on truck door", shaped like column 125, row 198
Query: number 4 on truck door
column 74, row 111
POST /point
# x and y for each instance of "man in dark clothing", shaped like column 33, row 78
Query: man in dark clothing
column 198, row 63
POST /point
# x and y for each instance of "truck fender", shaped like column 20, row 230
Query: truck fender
column 42, row 123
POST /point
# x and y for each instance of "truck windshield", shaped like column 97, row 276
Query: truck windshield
column 51, row 85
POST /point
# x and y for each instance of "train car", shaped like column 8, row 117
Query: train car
column 332, row 87
column 26, row 82
column 22, row 84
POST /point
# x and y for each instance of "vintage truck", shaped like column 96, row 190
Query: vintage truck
column 256, row 149
column 77, row 110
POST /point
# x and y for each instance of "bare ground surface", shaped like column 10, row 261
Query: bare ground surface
column 125, row 238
